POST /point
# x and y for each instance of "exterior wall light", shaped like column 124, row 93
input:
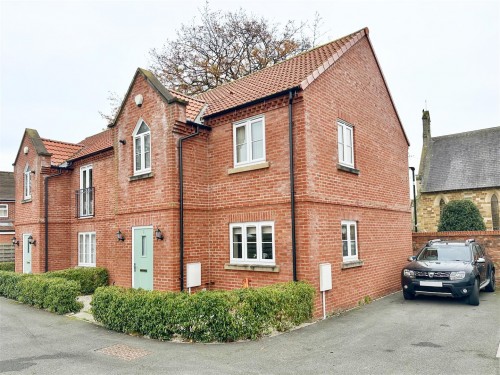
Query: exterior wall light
column 15, row 241
column 120, row 236
column 158, row 234
column 138, row 100
column 31, row 241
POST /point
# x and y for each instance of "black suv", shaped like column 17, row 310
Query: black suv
column 450, row 269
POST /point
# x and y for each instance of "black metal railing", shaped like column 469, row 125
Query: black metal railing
column 85, row 202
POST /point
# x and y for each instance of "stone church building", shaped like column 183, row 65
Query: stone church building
column 458, row 166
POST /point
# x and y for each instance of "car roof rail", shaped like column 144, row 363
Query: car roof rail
column 467, row 242
column 432, row 241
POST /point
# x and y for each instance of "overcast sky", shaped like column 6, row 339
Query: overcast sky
column 59, row 60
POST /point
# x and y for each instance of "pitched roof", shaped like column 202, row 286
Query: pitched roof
column 36, row 141
column 462, row 161
column 154, row 83
column 60, row 151
column 298, row 71
column 93, row 144
column 194, row 108
column 7, row 192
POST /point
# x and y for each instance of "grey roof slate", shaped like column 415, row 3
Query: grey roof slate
column 7, row 192
column 463, row 161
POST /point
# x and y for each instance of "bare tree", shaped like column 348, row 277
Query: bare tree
column 221, row 47
column 115, row 101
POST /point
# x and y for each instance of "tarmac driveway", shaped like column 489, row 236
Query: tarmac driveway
column 389, row 336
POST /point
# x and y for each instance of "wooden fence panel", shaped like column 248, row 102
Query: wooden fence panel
column 7, row 252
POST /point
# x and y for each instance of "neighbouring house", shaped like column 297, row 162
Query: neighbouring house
column 255, row 182
column 458, row 166
column 7, row 216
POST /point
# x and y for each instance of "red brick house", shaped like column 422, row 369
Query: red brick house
column 7, row 216
column 258, row 181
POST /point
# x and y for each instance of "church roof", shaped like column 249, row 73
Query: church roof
column 463, row 161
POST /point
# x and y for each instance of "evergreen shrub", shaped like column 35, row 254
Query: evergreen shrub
column 205, row 316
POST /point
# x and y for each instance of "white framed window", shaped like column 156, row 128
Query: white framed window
column 4, row 210
column 142, row 148
column 249, row 141
column 252, row 242
column 86, row 249
column 349, row 240
column 86, row 193
column 345, row 143
column 27, row 182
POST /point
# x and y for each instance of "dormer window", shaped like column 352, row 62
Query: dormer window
column 27, row 183
column 142, row 148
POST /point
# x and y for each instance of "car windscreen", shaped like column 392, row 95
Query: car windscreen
column 445, row 253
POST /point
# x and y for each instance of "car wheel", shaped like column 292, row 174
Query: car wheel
column 408, row 295
column 491, row 286
column 474, row 296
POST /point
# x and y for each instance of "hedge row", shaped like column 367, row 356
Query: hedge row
column 55, row 294
column 204, row 316
column 7, row 266
column 90, row 278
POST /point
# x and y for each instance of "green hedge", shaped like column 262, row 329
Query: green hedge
column 90, row 278
column 7, row 266
column 204, row 316
column 54, row 294
column 9, row 283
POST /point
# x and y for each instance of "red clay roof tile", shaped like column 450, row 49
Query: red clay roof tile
column 60, row 151
column 194, row 106
column 94, row 143
column 299, row 70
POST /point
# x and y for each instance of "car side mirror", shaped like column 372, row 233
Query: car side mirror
column 480, row 260
column 412, row 258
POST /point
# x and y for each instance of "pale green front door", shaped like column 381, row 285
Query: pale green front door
column 142, row 259
column 26, row 254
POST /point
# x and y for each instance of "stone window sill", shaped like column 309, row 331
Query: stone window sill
column 352, row 264
column 246, row 168
column 251, row 267
column 26, row 200
column 141, row 176
column 348, row 169
column 85, row 217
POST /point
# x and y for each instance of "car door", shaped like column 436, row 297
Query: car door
column 481, row 267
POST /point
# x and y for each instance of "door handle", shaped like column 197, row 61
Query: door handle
column 135, row 268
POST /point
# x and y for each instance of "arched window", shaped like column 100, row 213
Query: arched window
column 27, row 182
column 494, row 213
column 142, row 148
column 441, row 206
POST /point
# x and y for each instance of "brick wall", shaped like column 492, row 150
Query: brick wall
column 29, row 213
column 377, row 198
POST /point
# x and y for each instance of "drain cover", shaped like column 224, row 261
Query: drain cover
column 125, row 352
